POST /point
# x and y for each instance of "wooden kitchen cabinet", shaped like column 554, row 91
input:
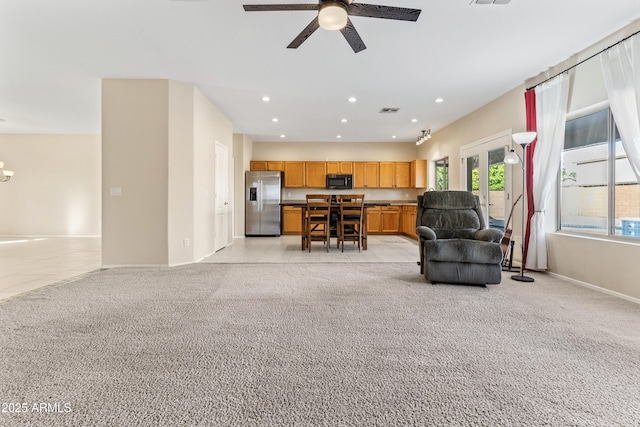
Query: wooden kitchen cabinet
column 257, row 165
column 387, row 172
column 340, row 167
column 315, row 174
column 294, row 174
column 390, row 219
column 291, row 220
column 395, row 174
column 402, row 175
column 418, row 174
column 409, row 221
column 366, row 174
column 383, row 220
column 261, row 165
column 374, row 220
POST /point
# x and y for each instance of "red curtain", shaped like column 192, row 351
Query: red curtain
column 530, row 103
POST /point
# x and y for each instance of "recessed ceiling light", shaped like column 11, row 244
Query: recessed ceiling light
column 338, row 136
column 393, row 136
column 266, row 99
column 439, row 100
column 344, row 120
column 414, row 120
column 352, row 99
column 283, row 136
column 274, row 120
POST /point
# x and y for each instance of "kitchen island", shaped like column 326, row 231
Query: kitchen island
column 382, row 217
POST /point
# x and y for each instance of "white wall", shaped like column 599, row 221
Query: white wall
column 56, row 187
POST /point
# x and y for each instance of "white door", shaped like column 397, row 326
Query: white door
column 221, row 197
column 484, row 173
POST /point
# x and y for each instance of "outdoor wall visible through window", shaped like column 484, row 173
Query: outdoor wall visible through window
column 599, row 193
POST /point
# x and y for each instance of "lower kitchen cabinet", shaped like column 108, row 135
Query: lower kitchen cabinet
column 291, row 220
column 384, row 220
column 409, row 221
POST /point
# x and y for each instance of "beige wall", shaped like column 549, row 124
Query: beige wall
column 135, row 158
column 179, row 179
column 335, row 151
column 210, row 126
column 56, row 187
column 158, row 146
column 243, row 153
column 341, row 151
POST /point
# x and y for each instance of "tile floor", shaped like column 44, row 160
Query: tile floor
column 30, row 263
column 286, row 249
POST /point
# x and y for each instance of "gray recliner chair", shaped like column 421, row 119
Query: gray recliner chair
column 455, row 244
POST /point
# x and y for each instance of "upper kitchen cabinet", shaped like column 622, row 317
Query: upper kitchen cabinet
column 316, row 174
column 262, row 165
column 395, row 175
column 366, row 174
column 294, row 174
column 419, row 174
column 340, row 167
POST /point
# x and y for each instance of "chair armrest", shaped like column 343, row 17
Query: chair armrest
column 426, row 233
column 489, row 235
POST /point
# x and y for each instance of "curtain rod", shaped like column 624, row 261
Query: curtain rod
column 584, row 60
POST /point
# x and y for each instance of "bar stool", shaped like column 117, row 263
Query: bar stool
column 350, row 220
column 318, row 213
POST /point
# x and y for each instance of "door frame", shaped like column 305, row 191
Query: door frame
column 482, row 147
column 221, row 196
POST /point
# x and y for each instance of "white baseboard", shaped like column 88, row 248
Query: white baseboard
column 596, row 288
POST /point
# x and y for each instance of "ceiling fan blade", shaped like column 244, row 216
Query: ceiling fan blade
column 272, row 7
column 386, row 12
column 305, row 34
column 353, row 38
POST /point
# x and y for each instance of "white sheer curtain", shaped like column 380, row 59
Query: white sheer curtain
column 552, row 98
column 621, row 70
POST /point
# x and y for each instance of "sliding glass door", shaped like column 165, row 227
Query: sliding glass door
column 484, row 174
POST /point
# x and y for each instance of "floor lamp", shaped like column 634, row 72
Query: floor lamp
column 523, row 139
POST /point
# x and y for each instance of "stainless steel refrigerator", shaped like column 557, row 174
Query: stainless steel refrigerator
column 263, row 193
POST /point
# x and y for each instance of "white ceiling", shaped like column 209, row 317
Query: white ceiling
column 53, row 54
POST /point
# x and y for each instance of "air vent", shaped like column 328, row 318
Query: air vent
column 389, row 110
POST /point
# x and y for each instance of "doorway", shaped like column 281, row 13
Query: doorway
column 484, row 174
column 221, row 200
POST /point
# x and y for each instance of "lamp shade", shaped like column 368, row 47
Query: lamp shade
column 333, row 16
column 512, row 157
column 524, row 138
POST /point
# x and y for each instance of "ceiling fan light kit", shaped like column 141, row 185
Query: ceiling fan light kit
column 334, row 15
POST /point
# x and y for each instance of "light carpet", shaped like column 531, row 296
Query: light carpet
column 319, row 344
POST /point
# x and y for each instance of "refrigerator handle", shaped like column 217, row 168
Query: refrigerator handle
column 260, row 195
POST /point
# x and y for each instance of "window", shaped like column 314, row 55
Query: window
column 599, row 193
column 442, row 174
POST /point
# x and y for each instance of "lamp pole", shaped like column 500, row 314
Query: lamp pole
column 523, row 139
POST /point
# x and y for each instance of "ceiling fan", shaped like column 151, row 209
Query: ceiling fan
column 334, row 15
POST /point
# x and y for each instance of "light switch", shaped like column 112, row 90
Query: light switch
column 115, row 191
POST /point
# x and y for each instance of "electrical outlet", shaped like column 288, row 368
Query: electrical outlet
column 185, row 242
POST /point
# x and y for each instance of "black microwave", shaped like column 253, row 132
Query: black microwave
column 339, row 182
